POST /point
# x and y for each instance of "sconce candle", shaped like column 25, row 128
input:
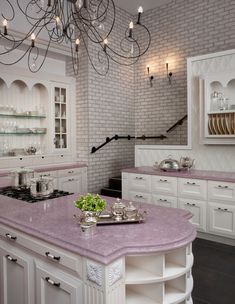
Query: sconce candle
column 105, row 44
column 77, row 44
column 5, row 26
column 131, row 26
column 33, row 40
column 150, row 77
column 168, row 74
column 140, row 11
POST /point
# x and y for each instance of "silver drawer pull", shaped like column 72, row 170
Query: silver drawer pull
column 192, row 205
column 52, row 282
column 191, row 183
column 162, row 200
column 10, row 237
column 71, row 171
column 71, row 179
column 139, row 196
column 224, row 210
column 45, row 175
column 51, row 256
column 163, row 180
column 222, row 187
column 11, row 258
column 140, row 178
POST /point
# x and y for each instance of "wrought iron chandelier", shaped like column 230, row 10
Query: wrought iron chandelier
column 79, row 24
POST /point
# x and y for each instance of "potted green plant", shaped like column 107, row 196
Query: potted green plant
column 91, row 206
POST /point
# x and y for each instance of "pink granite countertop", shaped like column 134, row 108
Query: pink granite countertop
column 52, row 221
column 197, row 174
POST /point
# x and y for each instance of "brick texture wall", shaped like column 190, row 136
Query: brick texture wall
column 124, row 103
column 105, row 107
column 180, row 29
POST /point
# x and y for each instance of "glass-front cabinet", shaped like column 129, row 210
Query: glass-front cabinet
column 36, row 114
column 60, row 114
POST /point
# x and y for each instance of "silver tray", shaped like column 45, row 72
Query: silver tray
column 108, row 219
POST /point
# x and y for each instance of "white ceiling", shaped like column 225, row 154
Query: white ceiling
column 131, row 6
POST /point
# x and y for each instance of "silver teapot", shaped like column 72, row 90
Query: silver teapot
column 187, row 162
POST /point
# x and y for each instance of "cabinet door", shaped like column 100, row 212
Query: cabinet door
column 165, row 201
column 125, row 186
column 198, row 209
column 222, row 219
column 54, row 286
column 140, row 182
column 71, row 184
column 164, row 185
column 16, row 277
column 192, row 188
column 221, row 191
column 140, row 197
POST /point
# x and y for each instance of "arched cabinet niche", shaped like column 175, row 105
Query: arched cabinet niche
column 35, row 118
column 23, row 124
column 219, row 108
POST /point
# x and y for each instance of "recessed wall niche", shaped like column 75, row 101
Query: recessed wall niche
column 23, row 120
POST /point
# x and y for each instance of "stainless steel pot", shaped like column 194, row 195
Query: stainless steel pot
column 21, row 177
column 41, row 187
column 169, row 164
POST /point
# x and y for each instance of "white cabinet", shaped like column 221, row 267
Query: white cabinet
column 37, row 115
column 16, row 276
column 71, row 184
column 73, row 180
column 159, row 278
column 164, row 185
column 222, row 219
column 192, row 188
column 163, row 200
column 221, row 191
column 212, row 203
column 198, row 209
column 140, row 182
column 141, row 197
column 54, row 286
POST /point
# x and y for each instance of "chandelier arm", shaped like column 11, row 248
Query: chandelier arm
column 13, row 12
column 28, row 17
column 44, row 58
column 91, row 62
column 140, row 53
column 81, row 17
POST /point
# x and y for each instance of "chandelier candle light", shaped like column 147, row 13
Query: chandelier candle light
column 77, row 24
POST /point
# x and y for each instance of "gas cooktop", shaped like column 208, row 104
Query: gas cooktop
column 24, row 194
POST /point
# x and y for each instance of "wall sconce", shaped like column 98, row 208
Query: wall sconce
column 150, row 77
column 168, row 74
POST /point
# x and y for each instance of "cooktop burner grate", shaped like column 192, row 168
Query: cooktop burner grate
column 24, row 194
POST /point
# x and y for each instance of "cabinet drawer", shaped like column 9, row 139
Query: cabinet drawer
column 221, row 191
column 70, row 172
column 49, row 252
column 164, row 185
column 46, row 174
column 140, row 182
column 222, row 219
column 198, row 209
column 166, row 201
column 192, row 188
column 139, row 197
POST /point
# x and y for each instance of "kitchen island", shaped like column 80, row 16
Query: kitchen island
column 46, row 259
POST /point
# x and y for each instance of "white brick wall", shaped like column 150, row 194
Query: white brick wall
column 123, row 102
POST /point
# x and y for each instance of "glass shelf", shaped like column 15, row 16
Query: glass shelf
column 22, row 116
column 23, row 133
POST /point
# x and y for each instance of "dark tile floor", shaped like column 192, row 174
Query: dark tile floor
column 213, row 273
